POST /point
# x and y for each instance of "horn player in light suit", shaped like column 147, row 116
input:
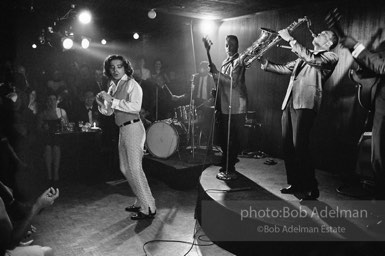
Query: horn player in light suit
column 309, row 73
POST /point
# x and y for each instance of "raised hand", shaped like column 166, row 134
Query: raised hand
column 348, row 42
column 47, row 198
column 285, row 35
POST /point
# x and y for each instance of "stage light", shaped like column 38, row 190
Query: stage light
column 103, row 41
column 136, row 36
column 85, row 43
column 85, row 17
column 34, row 46
column 68, row 43
column 207, row 27
column 151, row 14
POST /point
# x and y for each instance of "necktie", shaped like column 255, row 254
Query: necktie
column 90, row 115
column 199, row 96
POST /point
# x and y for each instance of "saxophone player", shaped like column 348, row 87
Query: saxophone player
column 309, row 73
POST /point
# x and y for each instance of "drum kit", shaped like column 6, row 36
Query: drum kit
column 166, row 137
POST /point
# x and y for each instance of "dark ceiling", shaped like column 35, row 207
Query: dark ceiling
column 120, row 17
column 110, row 9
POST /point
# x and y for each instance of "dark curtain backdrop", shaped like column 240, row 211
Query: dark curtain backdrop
column 341, row 120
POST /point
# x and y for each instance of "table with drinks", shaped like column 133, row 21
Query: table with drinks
column 81, row 144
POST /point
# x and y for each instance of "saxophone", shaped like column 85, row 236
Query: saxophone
column 266, row 40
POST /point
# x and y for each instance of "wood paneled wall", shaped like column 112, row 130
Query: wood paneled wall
column 341, row 120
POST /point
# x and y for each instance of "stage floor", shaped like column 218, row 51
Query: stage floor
column 249, row 211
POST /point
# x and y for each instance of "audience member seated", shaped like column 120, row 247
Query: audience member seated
column 50, row 121
column 141, row 73
column 87, row 81
column 56, row 84
column 12, row 232
column 21, row 79
column 101, row 81
column 87, row 111
column 10, row 162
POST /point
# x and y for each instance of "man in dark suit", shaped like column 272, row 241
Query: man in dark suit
column 202, row 84
column 300, row 106
column 88, row 110
column 376, row 63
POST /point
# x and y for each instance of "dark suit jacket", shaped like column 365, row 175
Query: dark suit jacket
column 209, row 88
column 373, row 61
column 82, row 113
column 308, row 75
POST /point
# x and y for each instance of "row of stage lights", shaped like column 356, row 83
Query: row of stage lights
column 68, row 42
column 84, row 17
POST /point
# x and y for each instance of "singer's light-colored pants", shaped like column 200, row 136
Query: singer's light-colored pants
column 131, row 144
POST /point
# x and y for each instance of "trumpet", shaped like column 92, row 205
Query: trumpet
column 267, row 39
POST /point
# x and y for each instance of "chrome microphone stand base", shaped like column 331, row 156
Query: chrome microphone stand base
column 227, row 176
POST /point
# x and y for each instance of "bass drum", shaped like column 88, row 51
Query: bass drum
column 165, row 137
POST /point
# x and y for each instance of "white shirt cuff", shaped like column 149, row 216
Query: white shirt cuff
column 358, row 48
column 115, row 103
column 292, row 42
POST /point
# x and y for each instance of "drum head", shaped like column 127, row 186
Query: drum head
column 162, row 139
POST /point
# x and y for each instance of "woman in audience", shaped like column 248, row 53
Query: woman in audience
column 52, row 120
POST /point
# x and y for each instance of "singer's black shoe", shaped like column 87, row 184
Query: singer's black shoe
column 143, row 216
column 292, row 189
column 132, row 208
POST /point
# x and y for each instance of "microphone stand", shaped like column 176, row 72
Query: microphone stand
column 156, row 102
column 226, row 176
column 191, row 121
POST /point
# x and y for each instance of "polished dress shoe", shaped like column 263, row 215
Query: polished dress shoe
column 310, row 195
column 132, row 208
column 143, row 216
column 290, row 190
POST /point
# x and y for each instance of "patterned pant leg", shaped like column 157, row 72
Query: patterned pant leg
column 131, row 144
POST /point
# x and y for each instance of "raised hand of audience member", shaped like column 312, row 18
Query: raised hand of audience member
column 47, row 198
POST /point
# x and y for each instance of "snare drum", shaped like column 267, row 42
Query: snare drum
column 165, row 137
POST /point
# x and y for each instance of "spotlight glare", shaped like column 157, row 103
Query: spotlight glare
column 85, row 43
column 136, row 36
column 151, row 14
column 103, row 41
column 34, row 46
column 68, row 43
column 207, row 27
column 85, row 17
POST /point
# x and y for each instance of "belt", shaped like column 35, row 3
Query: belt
column 129, row 122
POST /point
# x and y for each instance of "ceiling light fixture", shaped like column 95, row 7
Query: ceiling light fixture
column 151, row 14
column 85, row 17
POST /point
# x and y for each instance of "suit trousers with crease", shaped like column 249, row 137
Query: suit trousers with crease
column 296, row 128
column 131, row 144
